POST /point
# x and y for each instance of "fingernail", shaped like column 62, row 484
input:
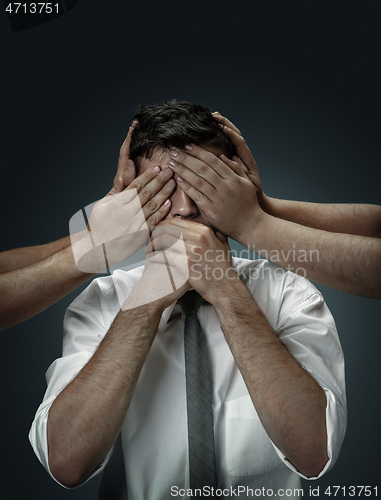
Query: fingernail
column 129, row 164
column 171, row 183
column 216, row 113
column 166, row 203
column 173, row 163
column 179, row 179
column 119, row 184
column 156, row 170
column 173, row 153
column 167, row 172
column 189, row 147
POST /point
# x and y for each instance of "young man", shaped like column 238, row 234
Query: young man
column 272, row 396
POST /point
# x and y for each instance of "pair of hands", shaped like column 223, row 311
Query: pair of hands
column 228, row 191
column 181, row 255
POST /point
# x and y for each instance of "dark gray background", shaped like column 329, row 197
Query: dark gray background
column 301, row 80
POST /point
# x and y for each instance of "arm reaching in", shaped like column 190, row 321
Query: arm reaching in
column 358, row 219
column 55, row 271
column 349, row 262
column 18, row 258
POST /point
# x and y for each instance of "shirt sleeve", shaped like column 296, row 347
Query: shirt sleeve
column 307, row 329
column 83, row 331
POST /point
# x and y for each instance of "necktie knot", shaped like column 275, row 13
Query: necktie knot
column 191, row 302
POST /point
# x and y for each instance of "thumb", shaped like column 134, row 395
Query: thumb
column 117, row 187
column 129, row 173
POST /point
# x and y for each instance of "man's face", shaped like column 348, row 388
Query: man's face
column 182, row 206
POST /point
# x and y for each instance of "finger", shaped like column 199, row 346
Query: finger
column 155, row 184
column 159, row 215
column 164, row 262
column 143, row 179
column 124, row 155
column 236, row 164
column 116, row 189
column 125, row 148
column 203, row 159
column 202, row 201
column 203, row 186
column 189, row 229
column 167, row 227
column 244, row 153
column 181, row 223
column 136, row 187
column 162, row 242
column 129, row 174
column 201, row 162
column 152, row 205
column 239, row 142
column 224, row 121
column 164, row 236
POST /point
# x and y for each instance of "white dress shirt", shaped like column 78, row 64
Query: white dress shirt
column 154, row 433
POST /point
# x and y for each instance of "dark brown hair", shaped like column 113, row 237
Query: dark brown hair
column 173, row 124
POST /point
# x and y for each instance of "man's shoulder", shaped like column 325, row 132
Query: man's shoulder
column 261, row 272
column 108, row 288
column 275, row 289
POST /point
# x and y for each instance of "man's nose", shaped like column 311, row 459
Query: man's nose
column 182, row 205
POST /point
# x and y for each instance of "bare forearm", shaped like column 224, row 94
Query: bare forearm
column 348, row 263
column 27, row 291
column 85, row 419
column 362, row 220
column 22, row 257
column 289, row 402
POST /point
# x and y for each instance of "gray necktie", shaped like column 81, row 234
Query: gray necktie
column 202, row 467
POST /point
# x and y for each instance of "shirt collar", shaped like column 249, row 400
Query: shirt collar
column 165, row 317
